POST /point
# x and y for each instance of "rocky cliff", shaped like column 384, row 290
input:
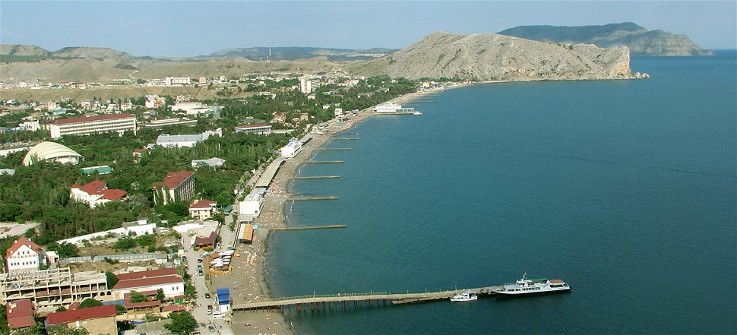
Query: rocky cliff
column 489, row 57
column 640, row 40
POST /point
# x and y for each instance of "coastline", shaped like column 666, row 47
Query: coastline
column 247, row 278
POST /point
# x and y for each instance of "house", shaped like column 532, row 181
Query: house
column 202, row 209
column 25, row 255
column 291, row 149
column 149, row 281
column 206, row 242
column 96, row 193
column 19, row 314
column 96, row 320
column 177, row 186
column 138, row 153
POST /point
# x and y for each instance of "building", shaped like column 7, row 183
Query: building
column 257, row 128
column 305, row 85
column 206, row 242
column 53, row 288
column 19, row 314
column 250, row 207
column 50, row 151
column 193, row 108
column 176, row 81
column 212, row 162
column 178, row 141
column 24, row 255
column 149, row 281
column 292, row 148
column 98, row 320
column 177, row 186
column 96, row 193
column 223, row 299
column 100, row 169
column 95, row 124
column 202, row 209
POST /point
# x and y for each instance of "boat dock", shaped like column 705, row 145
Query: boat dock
column 341, row 300
column 329, row 149
column 346, row 138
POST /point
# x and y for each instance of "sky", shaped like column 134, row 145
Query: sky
column 193, row 28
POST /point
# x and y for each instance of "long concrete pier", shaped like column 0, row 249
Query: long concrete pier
column 302, row 198
column 323, row 162
column 329, row 149
column 321, row 302
column 315, row 177
column 346, row 138
column 311, row 227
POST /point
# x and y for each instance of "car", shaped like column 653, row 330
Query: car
column 211, row 328
column 201, row 273
column 209, row 311
column 207, row 295
column 218, row 314
column 199, row 260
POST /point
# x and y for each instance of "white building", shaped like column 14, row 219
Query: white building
column 149, row 281
column 192, row 108
column 178, row 141
column 176, row 81
column 305, row 85
column 96, row 193
column 30, row 125
column 250, row 207
column 95, row 124
column 256, row 128
column 24, row 255
column 212, row 162
column 202, row 209
column 292, row 148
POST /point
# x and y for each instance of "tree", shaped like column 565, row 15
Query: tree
column 137, row 297
column 181, row 323
column 111, row 278
column 124, row 243
column 160, row 295
column 89, row 302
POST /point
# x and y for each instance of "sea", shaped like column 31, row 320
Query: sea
column 625, row 189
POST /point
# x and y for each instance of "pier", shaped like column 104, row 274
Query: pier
column 315, row 177
column 323, row 302
column 335, row 226
column 302, row 198
column 328, row 149
column 346, row 138
column 324, row 162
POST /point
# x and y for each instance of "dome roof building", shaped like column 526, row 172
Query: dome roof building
column 51, row 151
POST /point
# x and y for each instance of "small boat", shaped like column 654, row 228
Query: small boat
column 465, row 296
column 527, row 287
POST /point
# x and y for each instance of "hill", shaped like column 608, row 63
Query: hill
column 639, row 40
column 488, row 57
column 295, row 53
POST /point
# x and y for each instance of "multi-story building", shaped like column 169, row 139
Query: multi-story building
column 175, row 81
column 177, row 186
column 305, row 85
column 92, row 125
column 202, row 209
column 50, row 289
column 256, row 128
column 96, row 193
column 24, row 255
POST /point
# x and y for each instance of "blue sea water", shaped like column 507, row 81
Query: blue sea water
column 625, row 189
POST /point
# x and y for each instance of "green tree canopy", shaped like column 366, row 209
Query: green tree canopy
column 89, row 302
column 137, row 297
column 181, row 323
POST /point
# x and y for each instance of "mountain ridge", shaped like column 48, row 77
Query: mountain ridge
column 642, row 42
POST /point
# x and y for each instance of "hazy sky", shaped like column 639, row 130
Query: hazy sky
column 191, row 28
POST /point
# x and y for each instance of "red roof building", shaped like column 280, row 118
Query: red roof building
column 95, row 124
column 148, row 282
column 24, row 255
column 177, row 186
column 202, row 209
column 97, row 320
column 204, row 242
column 96, row 193
column 19, row 314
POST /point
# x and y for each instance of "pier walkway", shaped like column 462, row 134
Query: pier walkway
column 321, row 302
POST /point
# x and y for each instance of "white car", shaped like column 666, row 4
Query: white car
column 217, row 314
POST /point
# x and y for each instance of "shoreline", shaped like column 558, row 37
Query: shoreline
column 252, row 285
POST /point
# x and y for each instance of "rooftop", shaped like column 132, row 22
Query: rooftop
column 93, row 118
column 81, row 314
column 174, row 179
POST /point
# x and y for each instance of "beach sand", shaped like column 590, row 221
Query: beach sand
column 247, row 278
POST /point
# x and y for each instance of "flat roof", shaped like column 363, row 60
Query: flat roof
column 269, row 173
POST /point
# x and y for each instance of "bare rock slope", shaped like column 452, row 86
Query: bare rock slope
column 490, row 57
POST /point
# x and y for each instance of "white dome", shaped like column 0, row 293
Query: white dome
column 51, row 151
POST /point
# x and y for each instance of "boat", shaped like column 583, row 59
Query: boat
column 392, row 108
column 527, row 287
column 465, row 296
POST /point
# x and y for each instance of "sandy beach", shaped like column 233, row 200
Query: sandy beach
column 247, row 278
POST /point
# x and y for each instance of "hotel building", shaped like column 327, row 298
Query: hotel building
column 92, row 125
